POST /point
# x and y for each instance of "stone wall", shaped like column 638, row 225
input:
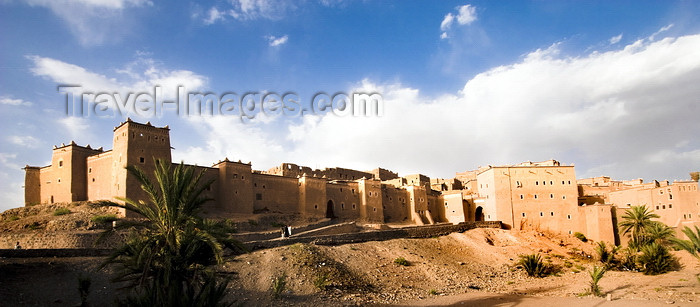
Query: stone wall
column 379, row 235
column 57, row 240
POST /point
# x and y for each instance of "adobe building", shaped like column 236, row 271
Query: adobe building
column 542, row 195
column 677, row 203
column 81, row 173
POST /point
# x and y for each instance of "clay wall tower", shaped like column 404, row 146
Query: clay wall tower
column 139, row 145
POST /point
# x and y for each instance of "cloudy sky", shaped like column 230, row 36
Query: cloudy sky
column 611, row 86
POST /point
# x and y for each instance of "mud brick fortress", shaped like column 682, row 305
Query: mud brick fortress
column 544, row 195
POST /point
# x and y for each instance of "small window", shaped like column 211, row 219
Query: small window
column 59, row 180
column 315, row 206
column 90, row 170
column 551, row 195
column 670, row 196
column 263, row 186
column 563, row 197
column 353, row 207
column 551, row 182
column 342, row 206
column 255, row 184
column 569, row 181
column 535, row 196
column 374, row 209
column 523, row 214
column 258, row 196
column 60, row 163
column 551, row 213
column 544, row 182
column 568, row 216
column 234, row 176
column 93, row 179
column 663, row 207
column 142, row 160
column 670, row 206
column 537, row 183
column 522, row 196
column 541, row 214
column 657, row 207
column 562, row 182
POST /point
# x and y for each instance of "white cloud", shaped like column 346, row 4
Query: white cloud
column 14, row 102
column 255, row 142
column 76, row 127
column 467, row 14
column 248, row 10
column 447, row 22
column 213, row 15
column 141, row 75
column 615, row 39
column 24, row 141
column 277, row 41
column 93, row 22
column 662, row 30
column 629, row 112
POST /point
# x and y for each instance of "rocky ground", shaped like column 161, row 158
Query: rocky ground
column 478, row 261
column 476, row 267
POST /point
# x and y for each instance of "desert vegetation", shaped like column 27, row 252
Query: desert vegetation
column 168, row 257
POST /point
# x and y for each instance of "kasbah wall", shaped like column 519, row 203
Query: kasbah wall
column 543, row 195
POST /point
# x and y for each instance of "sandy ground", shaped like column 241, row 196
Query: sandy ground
column 475, row 268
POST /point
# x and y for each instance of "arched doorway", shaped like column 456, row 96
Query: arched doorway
column 479, row 214
column 329, row 210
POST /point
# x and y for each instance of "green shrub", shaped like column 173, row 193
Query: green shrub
column 607, row 257
column 401, row 261
column 61, row 211
column 104, row 219
column 278, row 285
column 596, row 274
column 655, row 259
column 580, row 236
column 629, row 259
column 321, row 282
column 13, row 218
column 433, row 292
column 277, row 224
column 533, row 265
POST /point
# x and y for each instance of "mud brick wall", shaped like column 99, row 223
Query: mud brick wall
column 379, row 235
column 58, row 240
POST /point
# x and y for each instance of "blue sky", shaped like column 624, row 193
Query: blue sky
column 608, row 85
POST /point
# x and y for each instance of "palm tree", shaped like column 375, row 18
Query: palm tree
column 659, row 233
column 169, row 249
column 636, row 220
column 692, row 245
column 596, row 275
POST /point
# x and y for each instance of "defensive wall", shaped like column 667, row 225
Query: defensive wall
column 82, row 244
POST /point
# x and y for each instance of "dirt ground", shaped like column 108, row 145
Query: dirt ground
column 448, row 270
column 462, row 269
